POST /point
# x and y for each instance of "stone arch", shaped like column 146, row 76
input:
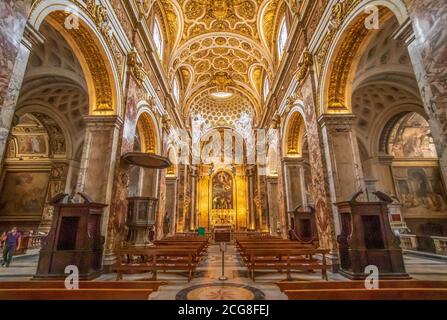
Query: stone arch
column 54, row 123
column 89, row 41
column 293, row 135
column 393, row 120
column 148, row 133
column 387, row 121
column 350, row 37
column 173, row 157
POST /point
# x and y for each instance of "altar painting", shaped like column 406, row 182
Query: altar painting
column 222, row 186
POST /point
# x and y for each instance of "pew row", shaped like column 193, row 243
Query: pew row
column 88, row 290
column 356, row 290
column 81, row 294
column 156, row 259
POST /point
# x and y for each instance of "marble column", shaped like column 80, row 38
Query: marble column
column 96, row 174
column 344, row 167
column 379, row 169
column 181, row 198
column 13, row 62
column 171, row 202
column 425, row 34
column 192, row 209
column 319, row 189
column 282, row 206
column 149, row 182
column 261, row 202
column 252, row 222
column 273, row 206
column 56, row 185
column 295, row 180
column 162, row 194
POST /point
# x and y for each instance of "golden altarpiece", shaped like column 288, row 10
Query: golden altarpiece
column 222, row 197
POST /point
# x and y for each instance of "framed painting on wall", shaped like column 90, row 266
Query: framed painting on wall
column 32, row 146
column 421, row 191
column 23, row 193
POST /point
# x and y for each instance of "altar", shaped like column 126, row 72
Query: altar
column 223, row 218
column 222, row 232
column 222, row 199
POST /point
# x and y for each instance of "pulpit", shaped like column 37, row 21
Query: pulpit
column 305, row 228
column 74, row 239
column 367, row 239
column 140, row 219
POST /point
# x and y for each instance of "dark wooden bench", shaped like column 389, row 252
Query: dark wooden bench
column 355, row 290
column 88, row 290
column 39, row 284
column 286, row 259
column 156, row 259
column 81, row 294
column 363, row 294
column 358, row 284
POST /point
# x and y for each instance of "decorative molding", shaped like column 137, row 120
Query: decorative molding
column 405, row 33
column 304, row 67
column 136, row 67
column 32, row 37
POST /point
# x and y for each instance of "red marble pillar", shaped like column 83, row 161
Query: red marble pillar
column 320, row 187
column 426, row 37
column 14, row 54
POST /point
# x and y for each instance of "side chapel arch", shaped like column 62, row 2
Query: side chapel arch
column 88, row 42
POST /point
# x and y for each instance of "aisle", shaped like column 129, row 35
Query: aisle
column 206, row 283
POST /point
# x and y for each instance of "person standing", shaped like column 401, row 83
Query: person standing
column 12, row 239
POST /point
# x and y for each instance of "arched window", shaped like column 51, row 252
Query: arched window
column 282, row 37
column 266, row 88
column 176, row 90
column 158, row 38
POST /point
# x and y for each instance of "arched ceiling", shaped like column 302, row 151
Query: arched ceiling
column 54, row 84
column 384, row 84
column 221, row 113
column 222, row 43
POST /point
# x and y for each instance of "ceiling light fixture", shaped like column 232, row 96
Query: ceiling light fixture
column 222, row 94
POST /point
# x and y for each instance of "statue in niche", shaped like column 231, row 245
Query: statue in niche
column 166, row 224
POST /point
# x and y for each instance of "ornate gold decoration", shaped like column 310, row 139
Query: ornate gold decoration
column 223, row 36
column 166, row 122
column 148, row 134
column 221, row 80
column 304, row 67
column 99, row 15
column 294, row 135
column 96, row 66
column 342, row 65
column 136, row 67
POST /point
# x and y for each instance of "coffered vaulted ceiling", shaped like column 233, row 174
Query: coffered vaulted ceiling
column 215, row 44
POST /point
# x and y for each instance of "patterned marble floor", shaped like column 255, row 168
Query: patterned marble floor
column 206, row 283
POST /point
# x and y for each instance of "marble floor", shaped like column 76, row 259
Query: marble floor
column 206, row 283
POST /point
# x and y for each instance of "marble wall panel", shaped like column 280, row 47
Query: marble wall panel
column 319, row 190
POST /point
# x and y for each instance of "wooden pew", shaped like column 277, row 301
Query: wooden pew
column 81, row 294
column 88, row 290
column 355, row 290
column 155, row 259
column 286, row 259
column 363, row 294
column 39, row 284
column 358, row 284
